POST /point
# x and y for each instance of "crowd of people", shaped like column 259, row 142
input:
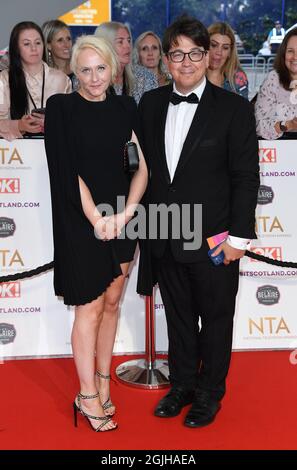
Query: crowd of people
column 28, row 80
column 193, row 102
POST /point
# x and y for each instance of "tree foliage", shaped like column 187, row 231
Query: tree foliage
column 252, row 19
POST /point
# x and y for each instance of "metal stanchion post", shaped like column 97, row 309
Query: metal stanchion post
column 148, row 372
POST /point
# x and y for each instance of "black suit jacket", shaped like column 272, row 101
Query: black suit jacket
column 218, row 165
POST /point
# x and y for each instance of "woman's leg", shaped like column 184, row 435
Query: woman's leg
column 87, row 321
column 107, row 332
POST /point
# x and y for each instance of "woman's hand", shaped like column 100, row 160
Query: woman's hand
column 121, row 219
column 100, row 228
column 292, row 124
column 39, row 118
column 31, row 124
column 113, row 226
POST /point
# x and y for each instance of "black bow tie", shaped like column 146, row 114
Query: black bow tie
column 176, row 99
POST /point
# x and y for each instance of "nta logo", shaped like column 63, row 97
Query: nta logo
column 267, row 155
column 7, row 333
column 8, row 258
column 7, row 157
column 267, row 224
column 7, row 227
column 268, row 326
column 268, row 295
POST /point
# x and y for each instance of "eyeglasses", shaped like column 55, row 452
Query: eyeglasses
column 179, row 56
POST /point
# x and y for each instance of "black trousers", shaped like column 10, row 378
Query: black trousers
column 199, row 301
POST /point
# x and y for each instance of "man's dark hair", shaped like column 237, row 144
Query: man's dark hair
column 185, row 26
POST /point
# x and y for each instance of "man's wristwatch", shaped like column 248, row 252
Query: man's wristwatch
column 282, row 126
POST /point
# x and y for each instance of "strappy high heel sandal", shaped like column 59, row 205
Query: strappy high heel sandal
column 108, row 403
column 77, row 408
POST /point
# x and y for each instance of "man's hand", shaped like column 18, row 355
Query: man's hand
column 231, row 254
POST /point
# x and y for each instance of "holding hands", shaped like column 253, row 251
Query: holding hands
column 110, row 227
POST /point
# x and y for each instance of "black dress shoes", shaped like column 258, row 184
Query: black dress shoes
column 203, row 411
column 172, row 404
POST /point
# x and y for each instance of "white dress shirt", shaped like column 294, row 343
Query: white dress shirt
column 178, row 121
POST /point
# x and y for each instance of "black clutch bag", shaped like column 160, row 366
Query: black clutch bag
column 131, row 157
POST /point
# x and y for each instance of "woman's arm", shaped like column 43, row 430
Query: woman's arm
column 138, row 185
column 267, row 121
column 290, row 124
column 90, row 210
column 11, row 129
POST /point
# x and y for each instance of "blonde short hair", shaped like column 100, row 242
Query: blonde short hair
column 99, row 45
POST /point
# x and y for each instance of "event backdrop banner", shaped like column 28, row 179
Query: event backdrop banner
column 34, row 323
column 266, row 304
column 265, row 315
column 90, row 13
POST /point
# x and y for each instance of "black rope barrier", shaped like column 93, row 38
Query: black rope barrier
column 26, row 274
column 49, row 266
column 274, row 262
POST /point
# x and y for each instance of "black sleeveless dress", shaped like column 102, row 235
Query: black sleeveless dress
column 87, row 138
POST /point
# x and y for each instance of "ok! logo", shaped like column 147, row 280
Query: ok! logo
column 9, row 185
column 9, row 290
column 273, row 252
column 267, row 155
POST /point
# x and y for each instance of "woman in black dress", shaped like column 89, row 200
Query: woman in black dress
column 85, row 135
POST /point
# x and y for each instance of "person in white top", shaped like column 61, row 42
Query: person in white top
column 202, row 151
column 276, row 36
column 276, row 105
column 27, row 84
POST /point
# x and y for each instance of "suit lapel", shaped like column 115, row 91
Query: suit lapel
column 199, row 124
column 160, row 121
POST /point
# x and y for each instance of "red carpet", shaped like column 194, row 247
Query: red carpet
column 258, row 412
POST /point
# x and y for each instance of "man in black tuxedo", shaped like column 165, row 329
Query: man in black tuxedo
column 201, row 148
